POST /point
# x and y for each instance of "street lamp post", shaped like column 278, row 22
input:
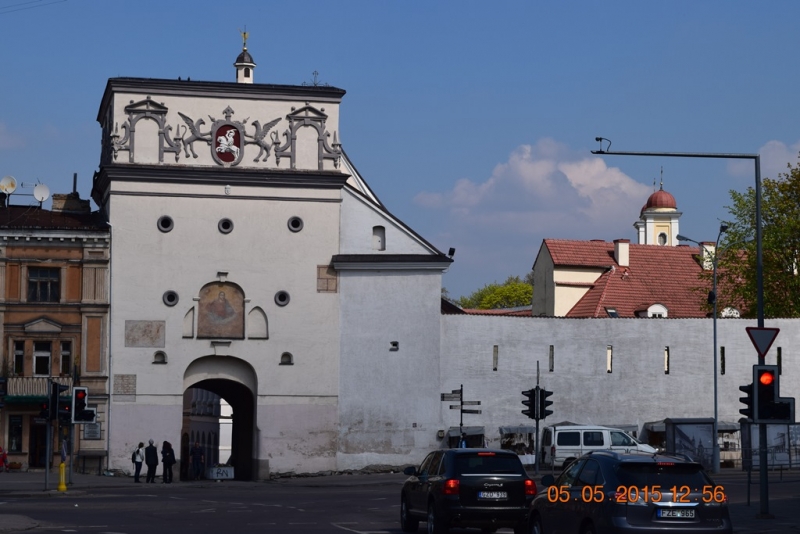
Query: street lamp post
column 762, row 429
column 715, row 443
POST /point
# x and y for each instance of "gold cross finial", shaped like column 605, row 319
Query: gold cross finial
column 244, row 35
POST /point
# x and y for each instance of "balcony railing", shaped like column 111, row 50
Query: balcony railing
column 33, row 386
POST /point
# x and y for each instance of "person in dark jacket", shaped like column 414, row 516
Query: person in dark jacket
column 151, row 459
column 168, row 459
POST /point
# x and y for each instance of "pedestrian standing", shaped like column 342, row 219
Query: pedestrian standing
column 198, row 458
column 151, row 459
column 168, row 459
column 138, row 458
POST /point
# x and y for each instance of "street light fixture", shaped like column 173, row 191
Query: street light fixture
column 713, row 300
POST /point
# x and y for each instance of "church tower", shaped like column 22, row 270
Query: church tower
column 244, row 63
column 658, row 220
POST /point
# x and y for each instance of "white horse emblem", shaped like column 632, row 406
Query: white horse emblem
column 228, row 144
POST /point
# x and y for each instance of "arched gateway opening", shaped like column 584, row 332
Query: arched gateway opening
column 206, row 381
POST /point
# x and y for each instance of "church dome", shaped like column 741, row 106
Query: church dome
column 660, row 199
column 245, row 57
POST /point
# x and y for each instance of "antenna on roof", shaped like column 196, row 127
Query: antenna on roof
column 662, row 178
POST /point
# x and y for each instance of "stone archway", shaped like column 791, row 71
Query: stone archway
column 235, row 381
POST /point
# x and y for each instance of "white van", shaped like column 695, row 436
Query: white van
column 562, row 444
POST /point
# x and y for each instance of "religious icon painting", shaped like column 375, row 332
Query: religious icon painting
column 221, row 311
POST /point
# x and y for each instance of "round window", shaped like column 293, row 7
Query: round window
column 662, row 238
column 281, row 298
column 170, row 298
column 225, row 226
column 295, row 224
column 165, row 223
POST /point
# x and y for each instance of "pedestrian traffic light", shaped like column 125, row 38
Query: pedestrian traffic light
column 80, row 410
column 747, row 400
column 55, row 392
column 531, row 397
column 544, row 403
column 770, row 407
column 44, row 410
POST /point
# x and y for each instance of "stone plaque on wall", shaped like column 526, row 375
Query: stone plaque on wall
column 147, row 334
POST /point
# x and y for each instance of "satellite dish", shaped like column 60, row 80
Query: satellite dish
column 8, row 185
column 41, row 192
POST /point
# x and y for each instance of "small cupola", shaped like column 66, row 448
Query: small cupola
column 244, row 63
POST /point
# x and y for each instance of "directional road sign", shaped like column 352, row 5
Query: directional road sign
column 471, row 403
column 470, row 411
column 451, row 396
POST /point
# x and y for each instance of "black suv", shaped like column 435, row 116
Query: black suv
column 481, row 488
column 604, row 491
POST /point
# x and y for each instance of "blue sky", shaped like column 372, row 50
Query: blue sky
column 472, row 121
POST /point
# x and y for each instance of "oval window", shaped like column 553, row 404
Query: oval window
column 295, row 224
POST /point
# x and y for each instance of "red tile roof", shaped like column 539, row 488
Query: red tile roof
column 654, row 275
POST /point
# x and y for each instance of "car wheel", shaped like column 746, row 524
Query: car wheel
column 435, row 523
column 536, row 526
column 407, row 523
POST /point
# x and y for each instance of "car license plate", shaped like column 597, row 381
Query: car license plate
column 676, row 512
column 492, row 495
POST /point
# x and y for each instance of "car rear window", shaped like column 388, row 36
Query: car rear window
column 468, row 464
column 664, row 474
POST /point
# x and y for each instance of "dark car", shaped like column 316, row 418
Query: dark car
column 605, row 491
column 481, row 488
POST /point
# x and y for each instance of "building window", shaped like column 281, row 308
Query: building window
column 19, row 358
column 378, row 238
column 43, row 285
column 247, row 72
column 662, row 239
column 552, row 362
column 41, row 358
column 609, row 358
column 66, row 358
column 666, row 360
column 722, row 360
column 287, row 359
column 779, row 361
column 15, row 433
column 495, row 357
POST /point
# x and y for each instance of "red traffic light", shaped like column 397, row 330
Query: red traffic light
column 80, row 394
column 766, row 378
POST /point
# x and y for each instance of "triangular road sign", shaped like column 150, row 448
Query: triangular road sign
column 762, row 338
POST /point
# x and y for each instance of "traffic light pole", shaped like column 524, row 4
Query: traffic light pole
column 536, row 438
column 49, row 447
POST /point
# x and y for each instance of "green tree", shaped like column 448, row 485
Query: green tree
column 780, row 222
column 512, row 293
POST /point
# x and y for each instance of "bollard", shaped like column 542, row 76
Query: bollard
column 62, row 477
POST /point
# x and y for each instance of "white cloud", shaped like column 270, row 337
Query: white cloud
column 8, row 140
column 775, row 155
column 544, row 189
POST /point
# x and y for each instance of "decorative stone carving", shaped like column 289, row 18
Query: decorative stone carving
column 315, row 118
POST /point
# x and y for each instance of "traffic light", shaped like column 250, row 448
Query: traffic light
column 80, row 410
column 770, row 407
column 44, row 410
column 64, row 412
column 747, row 400
column 544, row 403
column 531, row 397
column 55, row 392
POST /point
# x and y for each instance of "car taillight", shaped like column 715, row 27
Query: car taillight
column 450, row 487
column 530, row 487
